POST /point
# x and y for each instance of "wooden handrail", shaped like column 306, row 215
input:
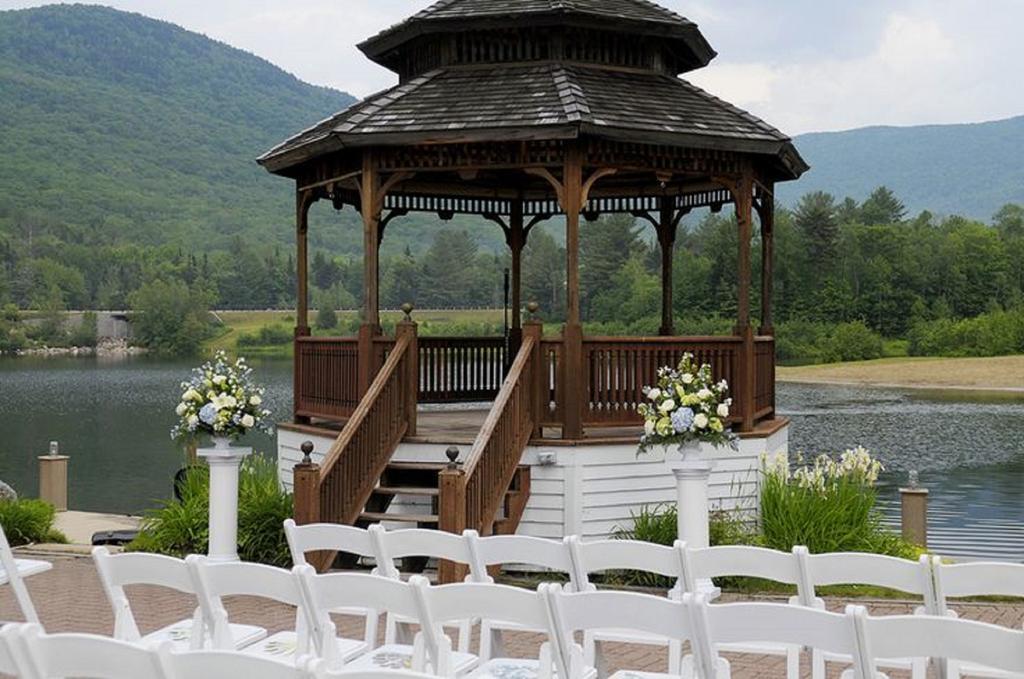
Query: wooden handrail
column 499, row 446
column 358, row 457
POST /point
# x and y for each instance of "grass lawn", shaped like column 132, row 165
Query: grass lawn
column 1002, row 373
column 250, row 322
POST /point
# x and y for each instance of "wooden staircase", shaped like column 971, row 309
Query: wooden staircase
column 487, row 491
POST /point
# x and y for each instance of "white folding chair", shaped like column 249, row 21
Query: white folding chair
column 725, row 625
column 119, row 570
column 858, row 568
column 392, row 545
column 475, row 600
column 573, row 612
column 11, row 662
column 330, row 591
column 965, row 641
column 335, row 537
column 220, row 664
column 217, row 580
column 54, row 656
column 974, row 579
column 370, row 674
column 751, row 562
column 520, row 550
column 14, row 571
column 600, row 556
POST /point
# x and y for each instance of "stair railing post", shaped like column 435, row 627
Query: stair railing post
column 451, row 512
column 306, row 484
column 538, row 386
column 411, row 378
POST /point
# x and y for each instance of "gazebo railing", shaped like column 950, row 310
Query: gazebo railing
column 612, row 376
column 616, row 369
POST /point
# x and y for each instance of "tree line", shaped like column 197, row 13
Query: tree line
column 866, row 270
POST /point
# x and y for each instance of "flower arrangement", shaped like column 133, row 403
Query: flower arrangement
column 221, row 400
column 686, row 405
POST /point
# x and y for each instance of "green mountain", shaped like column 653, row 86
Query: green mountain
column 970, row 170
column 122, row 128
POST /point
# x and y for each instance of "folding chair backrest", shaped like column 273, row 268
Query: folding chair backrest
column 330, row 591
column 371, row 674
column 9, row 634
column 9, row 574
column 216, row 580
column 940, row 637
column 552, row 555
column 226, row 664
column 448, row 603
column 117, row 570
column 330, row 537
column 87, row 656
column 598, row 556
column 775, row 623
column 976, row 579
column 739, row 561
column 435, row 544
column 857, row 568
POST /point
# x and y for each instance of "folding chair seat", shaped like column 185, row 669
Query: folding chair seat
column 14, row 571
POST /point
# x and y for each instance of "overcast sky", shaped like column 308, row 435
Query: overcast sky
column 803, row 65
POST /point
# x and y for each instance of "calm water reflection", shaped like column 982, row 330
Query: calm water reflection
column 112, row 417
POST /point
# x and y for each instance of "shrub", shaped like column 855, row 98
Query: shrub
column 828, row 506
column 997, row 333
column 180, row 527
column 812, row 342
column 854, row 341
column 84, row 335
column 27, row 521
column 268, row 335
column 170, row 318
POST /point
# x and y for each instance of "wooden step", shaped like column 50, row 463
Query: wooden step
column 407, row 490
column 417, row 466
column 377, row 517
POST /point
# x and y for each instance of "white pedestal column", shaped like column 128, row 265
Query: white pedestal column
column 692, row 473
column 224, row 462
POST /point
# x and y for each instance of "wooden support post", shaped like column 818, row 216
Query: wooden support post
column 538, row 379
column 667, row 241
column 303, row 201
column 745, row 390
column 766, row 212
column 451, row 510
column 914, row 513
column 53, row 478
column 411, row 379
column 572, row 335
column 371, row 206
column 516, row 242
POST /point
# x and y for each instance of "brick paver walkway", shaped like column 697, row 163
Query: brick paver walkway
column 70, row 598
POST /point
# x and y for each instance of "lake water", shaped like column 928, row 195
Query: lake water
column 113, row 417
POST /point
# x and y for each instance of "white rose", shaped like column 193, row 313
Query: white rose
column 192, row 395
column 668, row 406
column 723, row 410
column 700, row 421
column 649, row 427
column 248, row 422
column 654, row 394
column 704, row 394
column 255, row 400
column 687, row 378
column 193, row 420
column 219, row 379
column 180, row 410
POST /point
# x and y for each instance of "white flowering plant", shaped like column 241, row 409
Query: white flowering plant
column 825, row 473
column 686, row 405
column 221, row 399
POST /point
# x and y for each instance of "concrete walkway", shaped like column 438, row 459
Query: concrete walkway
column 79, row 527
column 70, row 598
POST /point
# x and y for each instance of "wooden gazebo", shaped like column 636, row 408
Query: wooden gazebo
column 521, row 111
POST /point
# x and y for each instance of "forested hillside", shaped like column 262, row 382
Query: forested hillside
column 969, row 170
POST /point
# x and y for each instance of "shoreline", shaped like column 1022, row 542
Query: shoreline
column 996, row 375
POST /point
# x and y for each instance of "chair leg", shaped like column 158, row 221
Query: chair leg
column 28, row 609
column 793, row 662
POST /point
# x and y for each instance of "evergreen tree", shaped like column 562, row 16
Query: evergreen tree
column 815, row 217
column 882, row 207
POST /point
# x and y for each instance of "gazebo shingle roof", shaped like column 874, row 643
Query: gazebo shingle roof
column 640, row 10
column 543, row 100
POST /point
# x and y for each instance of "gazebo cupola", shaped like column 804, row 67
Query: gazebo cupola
column 617, row 33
